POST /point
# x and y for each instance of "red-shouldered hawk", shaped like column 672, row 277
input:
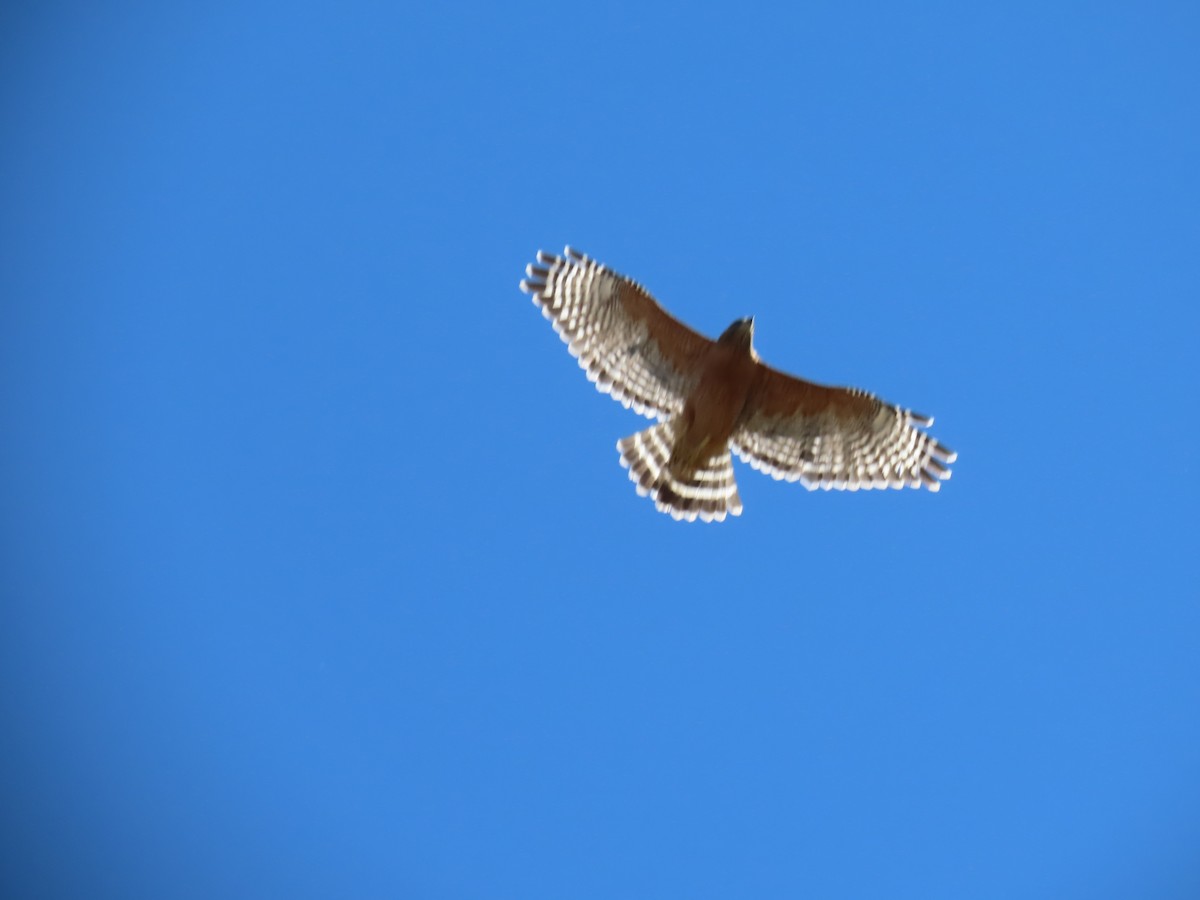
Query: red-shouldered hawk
column 711, row 397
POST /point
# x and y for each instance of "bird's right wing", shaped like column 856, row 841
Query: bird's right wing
column 628, row 344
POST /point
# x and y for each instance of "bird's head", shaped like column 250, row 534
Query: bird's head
column 740, row 334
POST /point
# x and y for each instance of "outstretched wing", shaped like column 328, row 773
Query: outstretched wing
column 840, row 438
column 628, row 344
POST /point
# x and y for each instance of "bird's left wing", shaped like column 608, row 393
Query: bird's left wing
column 830, row 437
column 629, row 345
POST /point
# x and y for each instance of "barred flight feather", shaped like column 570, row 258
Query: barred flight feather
column 708, row 492
column 830, row 452
column 628, row 346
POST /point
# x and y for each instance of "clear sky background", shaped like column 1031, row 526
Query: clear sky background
column 321, row 578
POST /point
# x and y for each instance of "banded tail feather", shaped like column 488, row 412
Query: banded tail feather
column 707, row 491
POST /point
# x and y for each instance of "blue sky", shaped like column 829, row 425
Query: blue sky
column 320, row 576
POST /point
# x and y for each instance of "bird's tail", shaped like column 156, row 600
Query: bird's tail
column 705, row 489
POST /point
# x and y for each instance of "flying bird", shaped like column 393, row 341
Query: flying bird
column 714, row 398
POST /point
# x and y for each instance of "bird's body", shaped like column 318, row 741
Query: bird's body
column 714, row 397
column 711, row 412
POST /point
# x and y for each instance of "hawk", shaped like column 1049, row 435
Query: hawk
column 716, row 397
